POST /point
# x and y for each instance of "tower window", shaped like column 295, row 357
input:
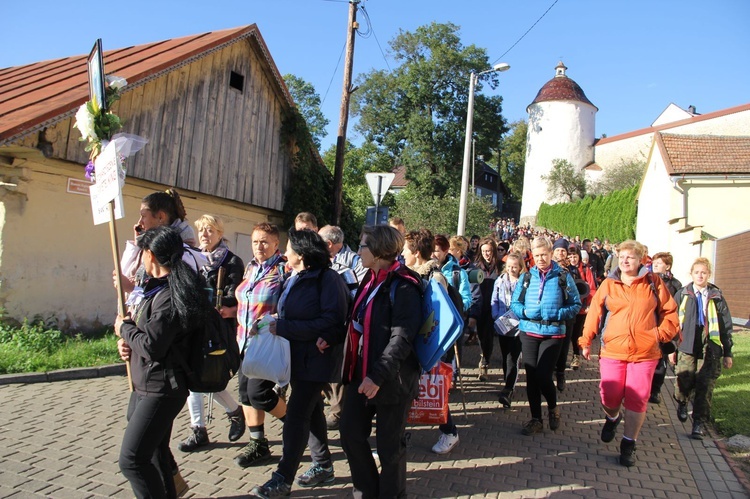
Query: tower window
column 236, row 81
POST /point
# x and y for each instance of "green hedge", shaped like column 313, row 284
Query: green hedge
column 612, row 216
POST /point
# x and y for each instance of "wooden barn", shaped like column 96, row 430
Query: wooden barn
column 213, row 107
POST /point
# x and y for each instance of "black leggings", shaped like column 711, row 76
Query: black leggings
column 145, row 458
column 562, row 358
column 577, row 332
column 539, row 359
column 510, row 346
column 486, row 333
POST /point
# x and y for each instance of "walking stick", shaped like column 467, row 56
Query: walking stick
column 118, row 271
column 460, row 381
column 219, row 294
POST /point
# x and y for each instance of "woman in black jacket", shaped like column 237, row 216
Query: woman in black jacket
column 164, row 315
column 311, row 315
column 381, row 370
column 214, row 248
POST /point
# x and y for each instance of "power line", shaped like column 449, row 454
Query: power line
column 527, row 32
column 335, row 69
column 372, row 31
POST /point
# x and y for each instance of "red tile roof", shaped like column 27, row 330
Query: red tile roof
column 704, row 154
column 400, row 179
column 42, row 93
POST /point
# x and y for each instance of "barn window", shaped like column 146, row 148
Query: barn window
column 236, row 81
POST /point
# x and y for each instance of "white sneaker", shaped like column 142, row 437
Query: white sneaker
column 445, row 444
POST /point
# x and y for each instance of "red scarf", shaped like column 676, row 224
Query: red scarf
column 363, row 311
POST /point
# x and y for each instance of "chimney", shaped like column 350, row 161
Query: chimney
column 691, row 110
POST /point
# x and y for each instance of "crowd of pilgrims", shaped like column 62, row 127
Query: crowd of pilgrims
column 350, row 322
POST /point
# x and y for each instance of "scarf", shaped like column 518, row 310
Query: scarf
column 361, row 323
column 215, row 258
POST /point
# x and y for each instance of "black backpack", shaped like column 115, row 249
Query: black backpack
column 213, row 355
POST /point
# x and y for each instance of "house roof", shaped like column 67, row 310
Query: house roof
column 704, row 154
column 39, row 94
column 694, row 119
column 400, row 180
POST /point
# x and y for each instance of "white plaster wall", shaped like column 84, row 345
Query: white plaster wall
column 654, row 207
column 557, row 130
column 670, row 114
column 56, row 263
column 731, row 124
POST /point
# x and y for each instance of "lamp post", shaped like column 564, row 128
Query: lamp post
column 473, row 77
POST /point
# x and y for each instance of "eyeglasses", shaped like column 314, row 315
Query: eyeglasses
column 363, row 246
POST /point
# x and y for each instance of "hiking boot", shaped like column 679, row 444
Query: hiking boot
column 655, row 398
column 253, row 453
column 275, row 487
column 682, row 414
column 236, row 424
column 575, row 364
column 554, row 418
column 699, row 431
column 560, row 381
column 198, row 438
column 532, row 426
column 610, row 428
column 316, row 475
column 627, row 452
column 472, row 339
column 505, row 397
column 445, row 443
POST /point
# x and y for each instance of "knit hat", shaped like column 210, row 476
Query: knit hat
column 560, row 243
column 584, row 255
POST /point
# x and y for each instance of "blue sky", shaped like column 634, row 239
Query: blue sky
column 631, row 57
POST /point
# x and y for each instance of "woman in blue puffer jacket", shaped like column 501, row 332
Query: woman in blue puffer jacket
column 543, row 303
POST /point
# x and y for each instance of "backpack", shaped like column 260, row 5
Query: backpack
column 442, row 323
column 562, row 280
column 453, row 290
column 213, row 355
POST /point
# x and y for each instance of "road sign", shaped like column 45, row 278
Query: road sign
column 379, row 184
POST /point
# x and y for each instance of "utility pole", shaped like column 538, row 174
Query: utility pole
column 338, row 170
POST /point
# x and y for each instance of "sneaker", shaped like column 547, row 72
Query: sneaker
column 253, row 453
column 532, row 426
column 554, row 418
column 505, row 397
column 445, row 443
column 610, row 428
column 627, row 452
column 682, row 414
column 560, row 381
column 484, row 370
column 472, row 339
column 575, row 364
column 275, row 487
column 316, row 475
column 198, row 438
column 655, row 398
column 236, row 424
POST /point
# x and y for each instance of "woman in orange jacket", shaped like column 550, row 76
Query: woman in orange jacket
column 634, row 311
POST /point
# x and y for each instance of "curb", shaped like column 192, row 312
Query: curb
column 736, row 469
column 64, row 374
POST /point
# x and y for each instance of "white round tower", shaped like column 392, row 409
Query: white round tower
column 561, row 126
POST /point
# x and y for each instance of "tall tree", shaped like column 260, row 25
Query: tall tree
column 513, row 158
column 415, row 114
column 626, row 174
column 308, row 103
column 565, row 180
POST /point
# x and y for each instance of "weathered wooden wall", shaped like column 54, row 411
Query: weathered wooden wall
column 204, row 135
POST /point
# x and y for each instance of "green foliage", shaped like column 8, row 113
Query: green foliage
column 513, row 158
column 440, row 214
column 415, row 114
column 625, row 174
column 612, row 216
column 308, row 103
column 731, row 401
column 565, row 181
column 34, row 347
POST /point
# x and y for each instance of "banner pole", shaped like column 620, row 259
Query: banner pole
column 118, row 271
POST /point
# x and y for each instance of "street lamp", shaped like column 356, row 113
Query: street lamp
column 473, row 77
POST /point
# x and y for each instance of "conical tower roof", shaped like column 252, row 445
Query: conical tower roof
column 561, row 88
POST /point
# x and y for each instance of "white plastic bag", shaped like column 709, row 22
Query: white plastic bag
column 267, row 356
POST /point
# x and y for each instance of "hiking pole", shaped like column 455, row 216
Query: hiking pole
column 460, row 381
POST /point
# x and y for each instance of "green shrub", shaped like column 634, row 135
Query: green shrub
column 32, row 337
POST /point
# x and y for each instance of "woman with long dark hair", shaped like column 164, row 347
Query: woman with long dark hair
column 164, row 315
column 311, row 315
column 486, row 261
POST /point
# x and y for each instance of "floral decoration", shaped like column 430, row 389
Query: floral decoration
column 97, row 126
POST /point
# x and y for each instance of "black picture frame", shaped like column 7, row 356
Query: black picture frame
column 96, row 75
